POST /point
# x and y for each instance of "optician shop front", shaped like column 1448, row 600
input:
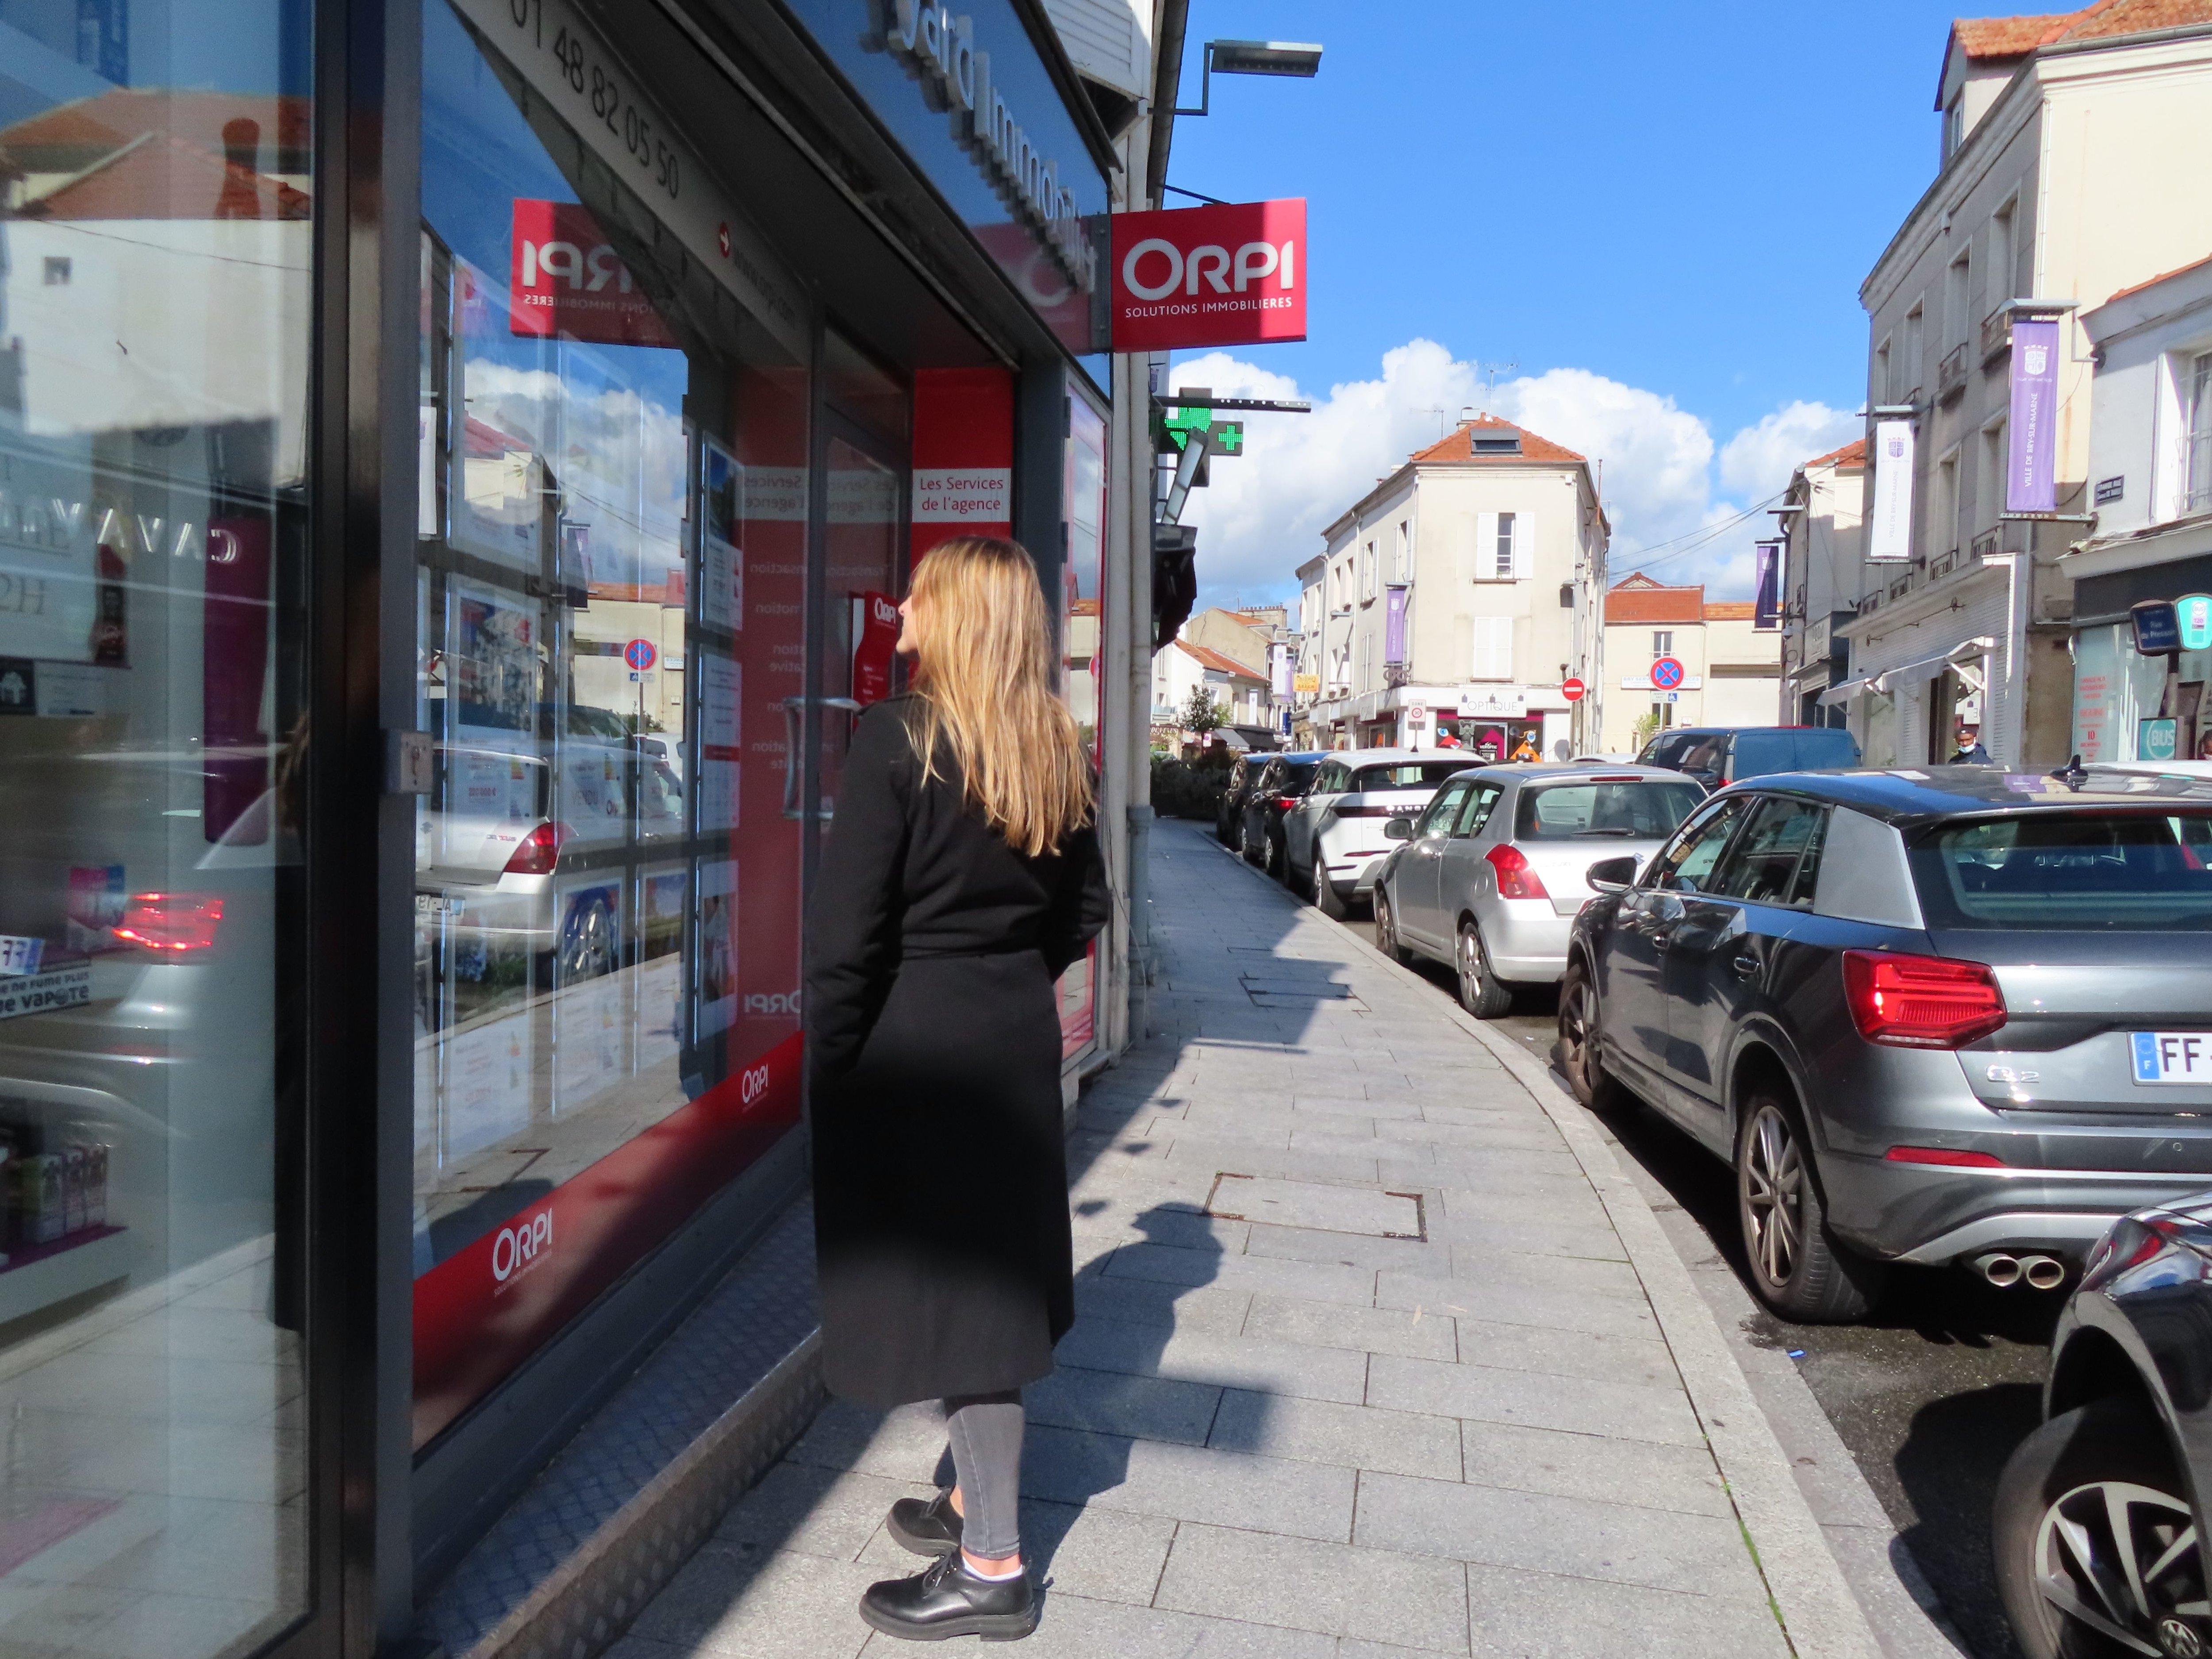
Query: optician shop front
column 459, row 460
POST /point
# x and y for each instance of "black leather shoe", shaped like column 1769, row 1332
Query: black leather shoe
column 944, row 1599
column 930, row 1528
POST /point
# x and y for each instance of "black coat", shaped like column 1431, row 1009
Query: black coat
column 940, row 1171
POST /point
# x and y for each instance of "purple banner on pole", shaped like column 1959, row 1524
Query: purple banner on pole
column 1767, row 609
column 2032, row 466
column 1393, row 626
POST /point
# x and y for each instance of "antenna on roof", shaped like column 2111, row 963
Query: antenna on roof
column 1490, row 373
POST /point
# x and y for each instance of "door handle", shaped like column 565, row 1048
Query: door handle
column 1746, row 966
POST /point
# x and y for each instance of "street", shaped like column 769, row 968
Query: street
column 1930, row 1395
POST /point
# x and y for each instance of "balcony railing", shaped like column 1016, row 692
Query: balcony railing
column 1951, row 373
column 1996, row 332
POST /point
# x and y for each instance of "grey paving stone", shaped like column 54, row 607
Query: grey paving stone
column 1415, row 1600
column 1315, row 1281
column 1307, row 1096
column 901, row 1445
column 1557, row 1205
column 1511, row 1304
column 1147, row 1302
column 813, row 1510
column 1566, row 1275
column 1569, row 1535
column 1612, row 1469
column 1233, row 1361
column 1284, row 1165
column 774, row 1606
column 1365, row 1330
column 1515, row 1614
column 1593, row 1240
column 1078, row 1627
column 1347, row 1250
column 1117, row 1402
column 1325, row 1431
column 1522, row 1135
column 1567, row 1353
column 1581, row 1405
column 1187, row 1483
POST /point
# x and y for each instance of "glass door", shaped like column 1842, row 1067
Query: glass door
column 864, row 577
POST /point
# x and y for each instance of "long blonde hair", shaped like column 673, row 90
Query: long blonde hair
column 984, row 672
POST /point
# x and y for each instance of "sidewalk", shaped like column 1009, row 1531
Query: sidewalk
column 1374, row 1355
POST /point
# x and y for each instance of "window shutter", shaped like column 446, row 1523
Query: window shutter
column 1486, row 547
column 1524, row 546
column 1493, row 648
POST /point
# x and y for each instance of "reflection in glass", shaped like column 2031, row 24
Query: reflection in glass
column 155, row 189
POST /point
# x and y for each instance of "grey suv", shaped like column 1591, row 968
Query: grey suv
column 1956, row 1016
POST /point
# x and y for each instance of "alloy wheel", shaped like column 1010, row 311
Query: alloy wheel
column 1575, row 1027
column 1385, row 934
column 587, row 948
column 2124, row 1560
column 1773, row 1196
column 1470, row 968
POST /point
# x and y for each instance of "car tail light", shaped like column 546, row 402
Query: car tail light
column 1516, row 879
column 540, row 850
column 1947, row 1156
column 172, row 923
column 1920, row 1002
column 1615, row 777
column 1284, row 803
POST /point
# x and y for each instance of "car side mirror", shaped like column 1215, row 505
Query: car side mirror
column 1612, row 875
column 1398, row 829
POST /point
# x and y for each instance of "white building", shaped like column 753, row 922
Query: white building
column 1819, row 581
column 2150, row 467
column 1237, row 690
column 1457, row 595
column 2077, row 160
column 1730, row 667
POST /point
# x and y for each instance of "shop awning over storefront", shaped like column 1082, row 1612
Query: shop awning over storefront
column 1961, row 656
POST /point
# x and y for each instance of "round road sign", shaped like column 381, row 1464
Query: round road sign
column 1572, row 691
column 1667, row 674
column 640, row 654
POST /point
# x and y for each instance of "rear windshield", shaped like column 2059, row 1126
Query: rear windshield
column 2045, row 870
column 1297, row 774
column 1800, row 749
column 1625, row 811
column 1405, row 775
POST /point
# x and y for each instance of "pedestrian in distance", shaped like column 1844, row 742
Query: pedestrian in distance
column 1970, row 750
column 961, row 878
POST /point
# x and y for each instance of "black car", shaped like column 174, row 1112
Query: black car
column 1228, row 817
column 2100, row 1513
column 1943, row 1017
column 1282, row 783
column 1718, row 755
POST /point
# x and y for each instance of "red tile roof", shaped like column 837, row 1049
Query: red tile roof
column 1851, row 454
column 1208, row 657
column 1640, row 599
column 2138, row 288
column 1459, row 445
column 1988, row 39
column 1730, row 610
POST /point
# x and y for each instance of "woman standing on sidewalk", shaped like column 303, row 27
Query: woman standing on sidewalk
column 960, row 877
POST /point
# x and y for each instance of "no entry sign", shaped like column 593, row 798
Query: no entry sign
column 1572, row 691
column 1229, row 274
column 1667, row 674
column 640, row 654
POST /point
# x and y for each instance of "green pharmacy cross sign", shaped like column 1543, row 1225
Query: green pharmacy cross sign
column 1178, row 425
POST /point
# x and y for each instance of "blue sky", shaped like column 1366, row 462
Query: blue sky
column 1677, row 202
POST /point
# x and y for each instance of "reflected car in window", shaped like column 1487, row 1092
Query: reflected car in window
column 1333, row 839
column 1940, row 1017
column 1490, row 878
column 1719, row 755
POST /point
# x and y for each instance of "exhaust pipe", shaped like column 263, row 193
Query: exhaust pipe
column 2043, row 1273
column 2001, row 1271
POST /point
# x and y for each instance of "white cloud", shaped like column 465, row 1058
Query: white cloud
column 1263, row 515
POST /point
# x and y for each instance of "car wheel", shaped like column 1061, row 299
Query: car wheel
column 1330, row 902
column 587, row 943
column 1480, row 992
column 1278, row 864
column 2096, row 1548
column 1797, row 1269
column 1386, row 928
column 1244, row 846
column 1595, row 1087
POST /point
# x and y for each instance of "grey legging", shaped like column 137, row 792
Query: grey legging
column 986, row 1432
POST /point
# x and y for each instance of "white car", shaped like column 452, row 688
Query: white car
column 1333, row 840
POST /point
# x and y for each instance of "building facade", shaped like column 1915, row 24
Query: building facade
column 2150, row 467
column 2075, row 163
column 458, row 461
column 1726, row 669
column 1458, row 597
column 1820, row 580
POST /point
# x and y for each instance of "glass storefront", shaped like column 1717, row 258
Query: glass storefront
column 1082, row 669
column 156, row 193
column 612, row 649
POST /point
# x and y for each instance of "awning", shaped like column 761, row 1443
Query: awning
column 1836, row 694
column 1913, row 673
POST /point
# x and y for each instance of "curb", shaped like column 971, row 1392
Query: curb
column 1819, row 1616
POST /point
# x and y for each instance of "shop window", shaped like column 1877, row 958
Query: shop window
column 1082, row 643
column 612, row 656
column 155, row 299
column 2199, row 389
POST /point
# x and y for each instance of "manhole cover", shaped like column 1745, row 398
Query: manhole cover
column 1321, row 1208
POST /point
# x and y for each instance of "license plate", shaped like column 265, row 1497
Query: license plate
column 2172, row 1056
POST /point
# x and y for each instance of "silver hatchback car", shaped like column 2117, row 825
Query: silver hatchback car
column 1490, row 877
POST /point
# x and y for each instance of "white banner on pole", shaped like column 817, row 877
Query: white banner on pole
column 1889, row 531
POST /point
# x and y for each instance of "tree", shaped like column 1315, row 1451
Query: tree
column 1201, row 713
column 1647, row 727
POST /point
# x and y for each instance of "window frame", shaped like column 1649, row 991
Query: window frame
column 1667, row 859
column 1804, row 874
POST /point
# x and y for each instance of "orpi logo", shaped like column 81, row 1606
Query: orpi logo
column 520, row 1244
column 752, row 1085
column 778, row 1002
column 886, row 613
column 1212, row 263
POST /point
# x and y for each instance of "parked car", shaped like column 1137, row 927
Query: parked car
column 2098, row 1519
column 1228, row 817
column 1490, row 878
column 1333, row 840
column 1949, row 1016
column 1282, row 783
column 1718, row 755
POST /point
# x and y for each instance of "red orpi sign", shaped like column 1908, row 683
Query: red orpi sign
column 1210, row 275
